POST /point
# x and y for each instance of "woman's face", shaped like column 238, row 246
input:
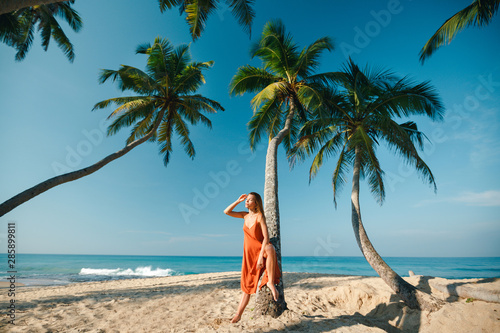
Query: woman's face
column 250, row 202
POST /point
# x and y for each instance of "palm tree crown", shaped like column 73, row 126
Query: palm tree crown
column 44, row 17
column 359, row 115
column 165, row 97
column 197, row 12
column 286, row 86
column 479, row 13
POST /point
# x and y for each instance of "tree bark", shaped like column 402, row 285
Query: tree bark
column 411, row 296
column 265, row 302
column 32, row 192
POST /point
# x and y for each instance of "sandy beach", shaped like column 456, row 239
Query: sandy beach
column 207, row 302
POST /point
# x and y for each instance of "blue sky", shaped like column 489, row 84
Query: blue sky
column 136, row 206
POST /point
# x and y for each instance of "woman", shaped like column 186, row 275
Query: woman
column 258, row 254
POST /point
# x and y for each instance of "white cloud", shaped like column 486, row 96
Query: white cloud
column 484, row 199
column 146, row 232
column 487, row 198
column 214, row 235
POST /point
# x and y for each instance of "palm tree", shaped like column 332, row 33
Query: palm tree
column 198, row 11
column 357, row 116
column 164, row 103
column 479, row 13
column 287, row 89
column 9, row 6
column 44, row 17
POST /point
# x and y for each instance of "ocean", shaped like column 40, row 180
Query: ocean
column 56, row 269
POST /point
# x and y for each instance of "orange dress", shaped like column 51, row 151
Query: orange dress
column 250, row 275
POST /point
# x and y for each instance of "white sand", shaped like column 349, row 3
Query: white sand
column 207, row 302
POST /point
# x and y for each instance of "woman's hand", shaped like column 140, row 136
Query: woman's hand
column 241, row 198
column 229, row 209
column 260, row 262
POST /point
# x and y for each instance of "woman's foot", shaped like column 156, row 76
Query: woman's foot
column 236, row 319
column 274, row 291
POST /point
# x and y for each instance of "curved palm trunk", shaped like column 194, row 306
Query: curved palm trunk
column 8, row 6
column 265, row 302
column 32, row 192
column 410, row 295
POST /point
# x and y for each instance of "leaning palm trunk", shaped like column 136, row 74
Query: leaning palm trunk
column 410, row 295
column 32, row 192
column 8, row 6
column 265, row 302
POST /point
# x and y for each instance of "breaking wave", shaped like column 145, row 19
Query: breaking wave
column 139, row 271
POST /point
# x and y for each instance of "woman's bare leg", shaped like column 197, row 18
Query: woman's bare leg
column 271, row 264
column 243, row 304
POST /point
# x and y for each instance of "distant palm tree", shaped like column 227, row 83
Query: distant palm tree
column 479, row 13
column 9, row 6
column 42, row 17
column 358, row 116
column 164, row 104
column 198, row 11
column 287, row 89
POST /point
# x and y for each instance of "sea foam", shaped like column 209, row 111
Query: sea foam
column 139, row 271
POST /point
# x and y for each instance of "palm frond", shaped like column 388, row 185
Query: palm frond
column 345, row 160
column 61, row 39
column 479, row 13
column 45, row 26
column 250, row 79
column 370, row 164
column 401, row 139
column 309, row 97
column 24, row 40
column 183, row 132
column 164, row 138
column 329, row 148
column 262, row 120
column 276, row 90
column 179, row 60
column 121, row 121
column 292, row 136
column 312, row 135
column 276, row 48
column 130, row 113
column 158, row 53
column 45, row 17
column 308, row 61
column 141, row 128
column 243, row 11
column 415, row 135
column 169, row 4
column 118, row 101
column 193, row 104
column 405, row 99
column 197, row 12
column 71, row 16
column 191, row 78
column 9, row 28
column 130, row 78
column 139, row 105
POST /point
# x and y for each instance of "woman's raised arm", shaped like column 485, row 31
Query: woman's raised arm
column 229, row 209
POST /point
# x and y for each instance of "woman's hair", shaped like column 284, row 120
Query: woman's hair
column 258, row 199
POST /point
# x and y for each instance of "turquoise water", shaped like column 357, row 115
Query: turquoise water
column 42, row 269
